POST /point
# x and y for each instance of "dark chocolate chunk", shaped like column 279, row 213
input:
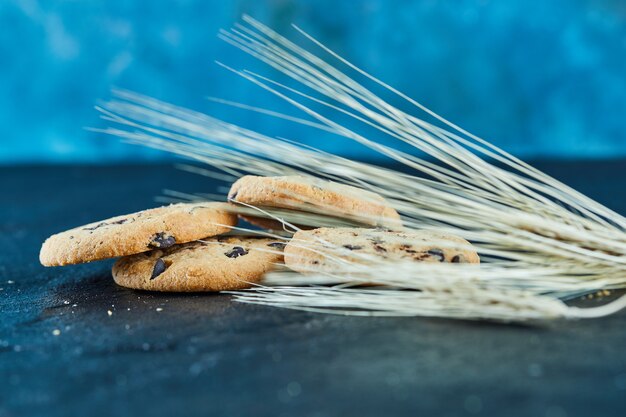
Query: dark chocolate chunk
column 162, row 240
column 458, row 259
column 279, row 245
column 120, row 221
column 233, row 196
column 437, row 253
column 353, row 247
column 236, row 252
column 159, row 268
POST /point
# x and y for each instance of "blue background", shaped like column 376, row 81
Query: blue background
column 538, row 78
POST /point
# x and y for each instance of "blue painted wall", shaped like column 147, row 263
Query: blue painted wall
column 539, row 78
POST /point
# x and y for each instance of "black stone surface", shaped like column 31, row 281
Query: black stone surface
column 203, row 355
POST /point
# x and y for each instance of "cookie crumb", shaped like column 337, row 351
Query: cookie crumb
column 56, row 332
column 159, row 309
column 110, row 313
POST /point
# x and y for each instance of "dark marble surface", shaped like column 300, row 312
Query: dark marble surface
column 205, row 355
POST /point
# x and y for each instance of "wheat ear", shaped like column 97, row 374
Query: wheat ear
column 540, row 240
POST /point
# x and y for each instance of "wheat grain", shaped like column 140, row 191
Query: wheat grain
column 541, row 240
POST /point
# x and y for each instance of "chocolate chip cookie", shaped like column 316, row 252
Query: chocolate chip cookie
column 314, row 250
column 215, row 264
column 155, row 228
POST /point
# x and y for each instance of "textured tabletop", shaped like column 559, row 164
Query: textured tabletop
column 74, row 343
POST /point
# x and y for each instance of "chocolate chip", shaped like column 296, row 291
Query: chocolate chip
column 236, row 252
column 102, row 224
column 96, row 226
column 353, row 247
column 159, row 268
column 162, row 240
column 233, row 196
column 437, row 253
column 279, row 245
column 379, row 248
column 406, row 247
column 458, row 259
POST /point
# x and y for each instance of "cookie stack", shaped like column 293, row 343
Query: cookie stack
column 182, row 247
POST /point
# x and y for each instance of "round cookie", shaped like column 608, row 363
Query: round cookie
column 159, row 227
column 307, row 250
column 217, row 264
column 315, row 195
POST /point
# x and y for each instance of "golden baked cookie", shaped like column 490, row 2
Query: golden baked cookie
column 313, row 250
column 145, row 230
column 317, row 196
column 215, row 264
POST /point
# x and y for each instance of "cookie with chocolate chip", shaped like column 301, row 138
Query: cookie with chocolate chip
column 315, row 195
column 215, row 264
column 155, row 228
column 324, row 249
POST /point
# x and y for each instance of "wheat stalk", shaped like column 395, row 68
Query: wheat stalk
column 541, row 240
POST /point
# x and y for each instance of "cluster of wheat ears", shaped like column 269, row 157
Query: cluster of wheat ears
column 541, row 242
